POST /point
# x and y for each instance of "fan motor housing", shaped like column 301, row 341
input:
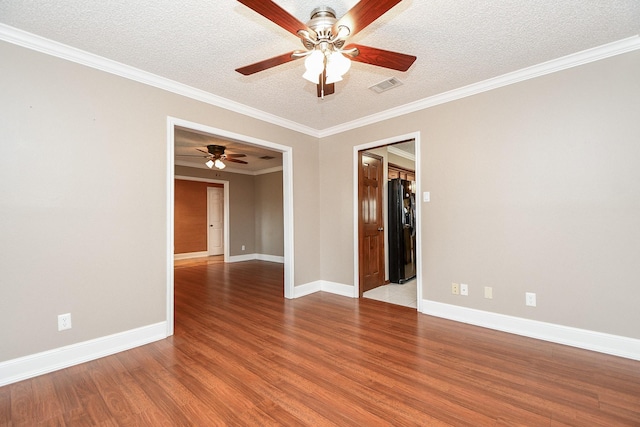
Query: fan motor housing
column 322, row 20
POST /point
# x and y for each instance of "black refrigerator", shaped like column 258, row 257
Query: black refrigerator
column 401, row 231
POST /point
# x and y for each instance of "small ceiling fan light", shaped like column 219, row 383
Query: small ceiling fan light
column 209, row 163
column 332, row 78
column 218, row 163
column 338, row 64
column 315, row 62
column 313, row 77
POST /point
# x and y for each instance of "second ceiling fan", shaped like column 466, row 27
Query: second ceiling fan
column 324, row 39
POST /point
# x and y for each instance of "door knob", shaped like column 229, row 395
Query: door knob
column 380, row 229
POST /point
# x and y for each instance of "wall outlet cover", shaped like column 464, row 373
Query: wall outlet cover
column 64, row 321
column 455, row 289
column 530, row 299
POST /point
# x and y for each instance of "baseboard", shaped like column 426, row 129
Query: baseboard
column 189, row 255
column 33, row 365
column 270, row 258
column 325, row 286
column 306, row 289
column 240, row 258
column 581, row 338
column 261, row 257
column 338, row 289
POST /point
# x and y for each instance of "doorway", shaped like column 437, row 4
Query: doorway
column 287, row 193
column 408, row 290
column 215, row 221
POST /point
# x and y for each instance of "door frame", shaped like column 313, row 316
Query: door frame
column 356, row 268
column 225, row 219
column 287, row 195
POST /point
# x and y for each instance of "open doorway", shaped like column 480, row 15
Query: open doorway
column 387, row 243
column 247, row 144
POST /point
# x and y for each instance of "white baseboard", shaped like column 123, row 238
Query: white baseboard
column 306, row 289
column 581, row 338
column 240, row 258
column 261, row 257
column 270, row 258
column 325, row 286
column 189, row 255
column 338, row 289
column 33, row 365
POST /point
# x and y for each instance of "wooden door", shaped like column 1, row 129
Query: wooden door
column 371, row 260
column 215, row 213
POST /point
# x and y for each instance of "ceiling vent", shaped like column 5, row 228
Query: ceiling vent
column 385, row 85
column 267, row 157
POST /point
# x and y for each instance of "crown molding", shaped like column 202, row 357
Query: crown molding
column 59, row 50
column 573, row 60
column 401, row 153
column 50, row 47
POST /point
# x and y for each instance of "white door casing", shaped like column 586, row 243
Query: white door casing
column 215, row 221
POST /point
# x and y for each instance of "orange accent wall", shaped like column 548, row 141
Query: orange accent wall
column 190, row 216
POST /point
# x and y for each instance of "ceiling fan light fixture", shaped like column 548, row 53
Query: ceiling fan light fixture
column 332, row 78
column 209, row 163
column 337, row 66
column 218, row 163
column 314, row 63
column 312, row 77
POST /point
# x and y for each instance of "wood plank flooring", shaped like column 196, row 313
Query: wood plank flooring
column 242, row 355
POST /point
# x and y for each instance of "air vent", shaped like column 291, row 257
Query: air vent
column 385, row 85
column 267, row 157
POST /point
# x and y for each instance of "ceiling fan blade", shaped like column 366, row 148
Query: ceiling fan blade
column 363, row 14
column 192, row 155
column 267, row 63
column 276, row 14
column 382, row 58
column 235, row 161
column 205, row 152
column 235, row 155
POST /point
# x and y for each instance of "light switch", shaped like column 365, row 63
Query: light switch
column 426, row 196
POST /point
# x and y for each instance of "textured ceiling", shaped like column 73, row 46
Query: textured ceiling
column 188, row 142
column 200, row 43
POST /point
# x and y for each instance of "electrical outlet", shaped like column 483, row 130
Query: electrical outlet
column 455, row 289
column 488, row 292
column 464, row 289
column 64, row 321
column 530, row 299
column 243, row 247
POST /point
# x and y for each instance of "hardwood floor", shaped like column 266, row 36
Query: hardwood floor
column 243, row 355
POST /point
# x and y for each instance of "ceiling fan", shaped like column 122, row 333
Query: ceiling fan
column 215, row 155
column 324, row 39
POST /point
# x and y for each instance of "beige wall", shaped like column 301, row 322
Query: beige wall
column 534, row 187
column 269, row 212
column 83, row 199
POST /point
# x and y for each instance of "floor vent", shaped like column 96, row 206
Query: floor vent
column 385, row 85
